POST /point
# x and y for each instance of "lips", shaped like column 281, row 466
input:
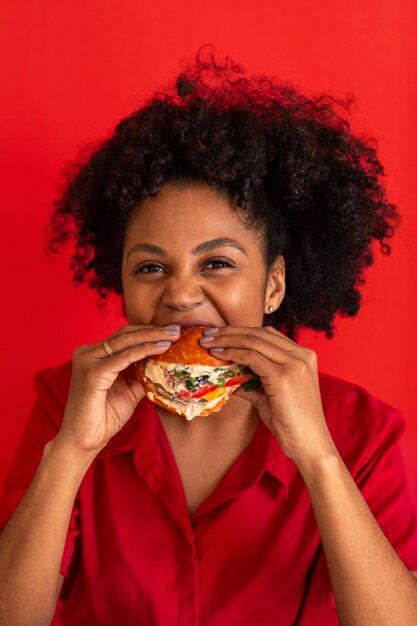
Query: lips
column 192, row 322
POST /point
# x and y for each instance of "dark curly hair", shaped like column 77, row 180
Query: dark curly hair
column 290, row 162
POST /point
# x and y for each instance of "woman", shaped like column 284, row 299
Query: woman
column 244, row 206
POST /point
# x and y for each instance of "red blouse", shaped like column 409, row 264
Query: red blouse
column 251, row 554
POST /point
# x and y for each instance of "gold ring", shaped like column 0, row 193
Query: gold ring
column 107, row 348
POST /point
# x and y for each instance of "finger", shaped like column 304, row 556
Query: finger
column 265, row 344
column 275, row 331
column 259, row 363
column 135, row 387
column 135, row 337
column 129, row 328
column 252, row 396
column 122, row 359
column 105, row 370
column 267, row 332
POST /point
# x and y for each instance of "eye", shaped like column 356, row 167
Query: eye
column 149, row 268
column 219, row 263
column 155, row 268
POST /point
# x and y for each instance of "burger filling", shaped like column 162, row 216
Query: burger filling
column 197, row 380
column 193, row 386
column 190, row 407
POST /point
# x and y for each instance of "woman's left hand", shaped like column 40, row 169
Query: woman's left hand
column 289, row 402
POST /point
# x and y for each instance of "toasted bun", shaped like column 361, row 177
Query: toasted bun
column 187, row 351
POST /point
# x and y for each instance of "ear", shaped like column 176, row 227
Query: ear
column 275, row 286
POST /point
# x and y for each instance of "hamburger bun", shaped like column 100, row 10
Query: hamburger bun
column 187, row 379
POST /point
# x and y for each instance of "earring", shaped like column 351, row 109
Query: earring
column 270, row 309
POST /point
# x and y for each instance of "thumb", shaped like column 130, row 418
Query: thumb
column 136, row 388
column 252, row 396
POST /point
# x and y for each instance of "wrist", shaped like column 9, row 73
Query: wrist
column 316, row 457
column 69, row 455
column 323, row 462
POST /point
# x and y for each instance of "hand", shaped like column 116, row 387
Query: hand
column 289, row 402
column 102, row 397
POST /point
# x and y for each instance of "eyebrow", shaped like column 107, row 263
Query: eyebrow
column 206, row 246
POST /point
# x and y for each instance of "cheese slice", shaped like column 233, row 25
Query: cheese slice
column 212, row 395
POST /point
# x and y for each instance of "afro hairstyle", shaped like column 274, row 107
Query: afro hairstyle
column 289, row 162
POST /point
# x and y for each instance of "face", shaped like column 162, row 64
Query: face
column 189, row 259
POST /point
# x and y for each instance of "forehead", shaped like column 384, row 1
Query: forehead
column 186, row 215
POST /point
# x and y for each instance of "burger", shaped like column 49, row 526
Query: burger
column 188, row 380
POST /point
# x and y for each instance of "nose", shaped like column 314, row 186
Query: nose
column 182, row 293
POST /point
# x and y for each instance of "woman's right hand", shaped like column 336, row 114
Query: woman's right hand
column 101, row 397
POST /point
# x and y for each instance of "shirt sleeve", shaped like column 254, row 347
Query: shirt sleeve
column 382, row 479
column 383, row 483
column 39, row 429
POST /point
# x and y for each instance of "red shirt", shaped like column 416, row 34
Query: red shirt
column 251, row 554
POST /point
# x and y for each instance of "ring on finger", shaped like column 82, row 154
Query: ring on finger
column 107, row 349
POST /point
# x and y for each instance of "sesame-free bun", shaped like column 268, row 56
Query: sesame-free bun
column 187, row 350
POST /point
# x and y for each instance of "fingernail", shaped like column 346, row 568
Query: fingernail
column 216, row 349
column 205, row 339
column 165, row 344
column 173, row 326
column 171, row 331
column 210, row 331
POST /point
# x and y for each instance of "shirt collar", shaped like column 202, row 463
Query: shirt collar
column 141, row 432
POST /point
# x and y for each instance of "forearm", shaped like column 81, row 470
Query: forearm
column 370, row 583
column 32, row 543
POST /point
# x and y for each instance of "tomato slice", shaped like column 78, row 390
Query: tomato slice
column 197, row 394
column 237, row 380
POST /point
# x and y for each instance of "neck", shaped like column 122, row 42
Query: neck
column 235, row 419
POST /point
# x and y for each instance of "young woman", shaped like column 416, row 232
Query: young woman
column 244, row 206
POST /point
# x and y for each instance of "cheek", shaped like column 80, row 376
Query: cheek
column 241, row 302
column 139, row 304
column 130, row 310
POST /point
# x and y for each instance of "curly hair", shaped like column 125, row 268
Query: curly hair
column 296, row 170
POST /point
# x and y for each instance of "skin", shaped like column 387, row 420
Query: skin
column 102, row 398
column 161, row 290
column 223, row 285
column 167, row 288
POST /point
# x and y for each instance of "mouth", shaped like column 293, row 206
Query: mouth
column 192, row 322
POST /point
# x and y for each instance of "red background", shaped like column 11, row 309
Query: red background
column 71, row 70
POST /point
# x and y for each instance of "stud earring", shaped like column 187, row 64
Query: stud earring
column 270, row 309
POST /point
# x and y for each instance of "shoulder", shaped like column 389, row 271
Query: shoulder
column 56, row 374
column 51, row 387
column 361, row 423
column 346, row 397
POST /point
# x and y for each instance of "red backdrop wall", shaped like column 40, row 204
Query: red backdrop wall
column 71, row 70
